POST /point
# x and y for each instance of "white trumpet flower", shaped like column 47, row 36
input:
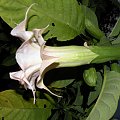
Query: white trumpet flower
column 30, row 57
column 35, row 58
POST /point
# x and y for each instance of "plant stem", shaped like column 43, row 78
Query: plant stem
column 105, row 53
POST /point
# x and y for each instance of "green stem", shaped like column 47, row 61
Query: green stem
column 105, row 53
column 70, row 56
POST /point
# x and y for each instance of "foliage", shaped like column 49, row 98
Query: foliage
column 108, row 98
column 70, row 23
column 63, row 17
column 22, row 109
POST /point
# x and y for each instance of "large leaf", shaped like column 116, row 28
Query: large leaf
column 14, row 107
column 91, row 24
column 95, row 93
column 61, row 83
column 116, row 41
column 106, row 104
column 90, row 14
column 116, row 29
column 65, row 17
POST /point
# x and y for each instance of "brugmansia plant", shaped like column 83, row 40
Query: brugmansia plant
column 94, row 96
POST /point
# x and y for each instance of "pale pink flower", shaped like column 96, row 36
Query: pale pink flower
column 31, row 58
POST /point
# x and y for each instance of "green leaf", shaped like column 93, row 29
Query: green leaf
column 91, row 24
column 116, row 41
column 68, row 116
column 104, row 41
column 115, row 67
column 65, row 17
column 79, row 98
column 55, row 115
column 85, row 2
column 14, row 107
column 116, row 29
column 61, row 83
column 94, row 94
column 90, row 15
column 90, row 76
column 106, row 104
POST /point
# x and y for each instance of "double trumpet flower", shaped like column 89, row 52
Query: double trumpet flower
column 35, row 58
column 31, row 58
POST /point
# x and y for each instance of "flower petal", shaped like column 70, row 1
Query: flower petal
column 20, row 29
column 38, row 35
column 20, row 76
column 24, row 80
column 42, row 86
column 17, row 76
column 45, row 66
column 28, row 54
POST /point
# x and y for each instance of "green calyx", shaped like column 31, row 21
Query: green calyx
column 70, row 56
